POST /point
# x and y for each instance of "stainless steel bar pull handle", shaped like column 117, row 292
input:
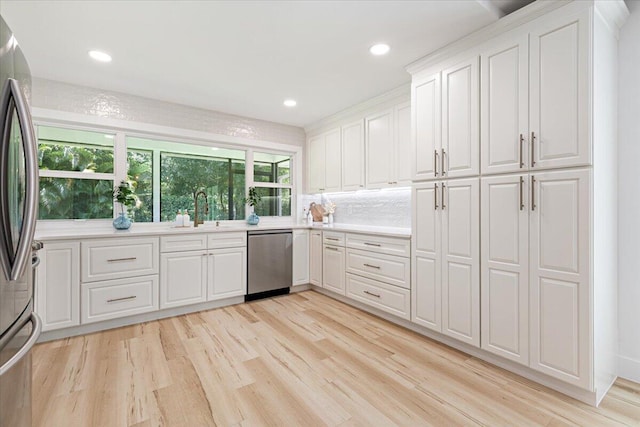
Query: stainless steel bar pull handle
column 372, row 294
column 435, row 198
column 122, row 299
column 443, row 188
column 435, row 162
column 521, row 195
column 122, row 259
column 332, row 238
column 331, row 248
column 372, row 244
column 521, row 149
column 377, row 267
column 533, row 193
column 533, row 142
column 442, row 160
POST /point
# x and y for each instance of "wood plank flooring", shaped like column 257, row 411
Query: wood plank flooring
column 297, row 360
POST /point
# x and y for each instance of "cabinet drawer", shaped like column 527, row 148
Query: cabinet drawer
column 183, row 242
column 227, row 240
column 387, row 268
column 385, row 245
column 389, row 298
column 118, row 258
column 333, row 238
column 119, row 298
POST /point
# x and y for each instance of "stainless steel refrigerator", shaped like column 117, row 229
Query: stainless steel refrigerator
column 19, row 326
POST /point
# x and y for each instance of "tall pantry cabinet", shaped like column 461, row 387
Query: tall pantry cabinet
column 522, row 264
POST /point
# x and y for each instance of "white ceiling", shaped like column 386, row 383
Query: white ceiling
column 242, row 57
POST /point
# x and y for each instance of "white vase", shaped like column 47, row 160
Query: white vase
column 330, row 218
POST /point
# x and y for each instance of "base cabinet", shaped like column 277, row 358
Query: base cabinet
column 333, row 269
column 227, row 273
column 58, row 290
column 183, row 278
column 118, row 298
column 315, row 257
column 300, row 257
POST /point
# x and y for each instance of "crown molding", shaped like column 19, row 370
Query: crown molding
column 513, row 20
column 399, row 94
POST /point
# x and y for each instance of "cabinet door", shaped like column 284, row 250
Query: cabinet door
column 333, row 161
column 559, row 278
column 460, row 120
column 333, row 270
column 316, row 161
column 58, row 290
column 300, row 257
column 426, row 287
column 460, row 260
column 379, row 142
column 427, row 128
column 559, row 90
column 315, row 258
column 504, row 112
column 227, row 273
column 505, row 266
column 403, row 152
column 353, row 156
column 183, row 278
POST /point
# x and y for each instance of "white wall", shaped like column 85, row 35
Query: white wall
column 66, row 97
column 629, row 195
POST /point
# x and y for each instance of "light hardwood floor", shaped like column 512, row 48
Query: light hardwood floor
column 297, row 360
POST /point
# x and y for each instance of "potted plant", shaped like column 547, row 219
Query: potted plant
column 126, row 196
column 252, row 200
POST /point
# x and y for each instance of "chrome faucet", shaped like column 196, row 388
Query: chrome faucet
column 197, row 221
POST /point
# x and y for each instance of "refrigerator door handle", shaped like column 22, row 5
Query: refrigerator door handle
column 15, row 268
column 33, row 338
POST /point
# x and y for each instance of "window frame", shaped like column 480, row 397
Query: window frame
column 121, row 129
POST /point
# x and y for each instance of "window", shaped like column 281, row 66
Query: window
column 272, row 179
column 76, row 173
column 140, row 172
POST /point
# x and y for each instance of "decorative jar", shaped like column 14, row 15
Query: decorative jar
column 122, row 222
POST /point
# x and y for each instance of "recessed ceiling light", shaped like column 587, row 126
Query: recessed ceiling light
column 290, row 103
column 379, row 49
column 100, row 56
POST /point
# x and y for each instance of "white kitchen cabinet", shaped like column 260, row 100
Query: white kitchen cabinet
column 315, row 257
column 505, row 266
column 324, row 162
column 560, row 91
column 183, row 278
column 460, row 206
column 426, row 272
column 560, row 270
column 57, row 299
column 388, row 147
column 504, row 112
column 105, row 259
column 300, row 257
column 427, row 126
column 385, row 297
column 353, row 177
column 226, row 273
column 111, row 299
column 445, row 271
column 459, row 156
column 333, row 268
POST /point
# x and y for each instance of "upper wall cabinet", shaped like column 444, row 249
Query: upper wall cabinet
column 559, row 88
column 353, row 156
column 460, row 120
column 388, row 147
column 325, row 162
column 446, row 123
column 504, row 111
column 427, row 142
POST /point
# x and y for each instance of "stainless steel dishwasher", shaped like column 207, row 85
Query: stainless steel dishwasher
column 269, row 259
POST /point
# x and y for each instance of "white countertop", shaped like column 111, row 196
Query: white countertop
column 104, row 229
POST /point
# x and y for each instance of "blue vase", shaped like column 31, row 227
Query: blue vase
column 253, row 219
column 122, row 222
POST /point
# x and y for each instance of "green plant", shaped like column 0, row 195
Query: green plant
column 253, row 198
column 125, row 194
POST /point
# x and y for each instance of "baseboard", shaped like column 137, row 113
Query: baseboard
column 629, row 368
column 577, row 393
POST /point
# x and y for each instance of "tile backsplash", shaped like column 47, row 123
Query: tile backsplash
column 61, row 96
column 388, row 208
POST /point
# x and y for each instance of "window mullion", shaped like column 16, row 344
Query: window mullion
column 156, row 185
column 119, row 165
